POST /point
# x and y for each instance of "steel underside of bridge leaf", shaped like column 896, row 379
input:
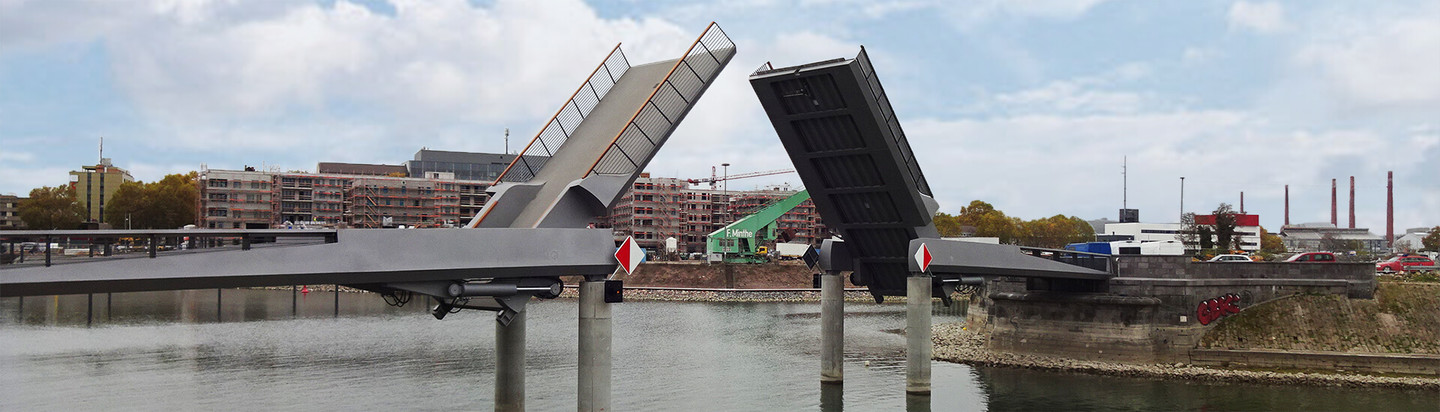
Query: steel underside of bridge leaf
column 842, row 136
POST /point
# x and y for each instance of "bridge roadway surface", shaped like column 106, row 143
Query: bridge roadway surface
column 573, row 160
column 358, row 257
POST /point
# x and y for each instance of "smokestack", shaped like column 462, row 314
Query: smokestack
column 1334, row 216
column 1287, row 205
column 1352, row 202
column 1390, row 210
column 1242, row 203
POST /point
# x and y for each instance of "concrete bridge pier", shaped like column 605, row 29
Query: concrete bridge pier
column 510, row 364
column 832, row 328
column 917, row 335
column 594, row 367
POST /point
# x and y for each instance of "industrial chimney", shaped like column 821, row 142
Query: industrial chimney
column 1352, row 202
column 1334, row 217
column 1287, row 205
column 1390, row 209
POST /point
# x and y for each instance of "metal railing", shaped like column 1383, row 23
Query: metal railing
column 883, row 103
column 567, row 119
column 633, row 147
column 1098, row 261
column 118, row 243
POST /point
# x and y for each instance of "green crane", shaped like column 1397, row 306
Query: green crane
column 742, row 241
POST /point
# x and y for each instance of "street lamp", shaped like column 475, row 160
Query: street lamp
column 725, row 190
column 1182, row 198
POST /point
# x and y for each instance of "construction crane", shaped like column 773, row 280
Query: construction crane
column 713, row 179
column 744, row 240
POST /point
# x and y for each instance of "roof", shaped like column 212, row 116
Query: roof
column 360, row 169
column 427, row 155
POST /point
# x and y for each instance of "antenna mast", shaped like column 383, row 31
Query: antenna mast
column 1124, row 182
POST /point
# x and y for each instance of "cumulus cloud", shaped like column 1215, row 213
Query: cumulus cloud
column 1388, row 63
column 1268, row 17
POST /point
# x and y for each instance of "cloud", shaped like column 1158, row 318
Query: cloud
column 1387, row 62
column 1266, row 17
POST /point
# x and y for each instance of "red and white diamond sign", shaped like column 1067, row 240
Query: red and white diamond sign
column 923, row 257
column 630, row 255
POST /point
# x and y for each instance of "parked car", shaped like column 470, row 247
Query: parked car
column 1313, row 257
column 1405, row 263
column 1230, row 258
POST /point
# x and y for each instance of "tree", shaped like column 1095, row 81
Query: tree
column 50, row 208
column 1271, row 243
column 1431, row 241
column 947, row 224
column 1225, row 227
column 1206, row 241
column 1055, row 232
column 167, row 204
column 1189, row 231
column 988, row 222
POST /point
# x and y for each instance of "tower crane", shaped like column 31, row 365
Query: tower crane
column 713, row 178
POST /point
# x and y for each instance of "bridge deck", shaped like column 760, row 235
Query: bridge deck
column 359, row 256
column 572, row 161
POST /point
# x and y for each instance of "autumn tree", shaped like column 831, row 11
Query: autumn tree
column 948, row 225
column 1055, row 232
column 167, row 204
column 50, row 208
column 1271, row 243
column 1431, row 241
column 988, row 222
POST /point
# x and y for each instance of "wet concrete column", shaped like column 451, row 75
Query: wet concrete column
column 595, row 333
column 510, row 364
column 832, row 328
column 917, row 335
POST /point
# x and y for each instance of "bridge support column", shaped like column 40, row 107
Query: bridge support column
column 832, row 328
column 594, row 367
column 917, row 335
column 510, row 364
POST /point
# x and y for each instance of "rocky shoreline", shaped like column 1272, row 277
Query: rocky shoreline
column 954, row 343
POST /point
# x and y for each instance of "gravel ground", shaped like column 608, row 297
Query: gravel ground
column 954, row 343
column 670, row 295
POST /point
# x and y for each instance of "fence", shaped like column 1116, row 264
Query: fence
column 567, row 119
column 633, row 147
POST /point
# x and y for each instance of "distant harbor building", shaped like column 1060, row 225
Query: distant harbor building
column 463, row 165
column 10, row 213
column 94, row 185
column 1247, row 227
column 1322, row 236
column 1413, row 238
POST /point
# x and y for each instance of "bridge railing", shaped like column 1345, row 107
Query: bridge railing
column 1098, row 261
column 18, row 246
column 567, row 119
column 906, row 154
column 633, row 147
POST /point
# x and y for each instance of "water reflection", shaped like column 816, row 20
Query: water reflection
column 164, row 350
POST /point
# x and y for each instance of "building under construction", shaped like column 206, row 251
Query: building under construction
column 375, row 196
column 658, row 208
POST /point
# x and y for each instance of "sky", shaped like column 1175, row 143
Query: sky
column 1032, row 106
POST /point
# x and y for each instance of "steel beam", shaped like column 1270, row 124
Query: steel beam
column 953, row 258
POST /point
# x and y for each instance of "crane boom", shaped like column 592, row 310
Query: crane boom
column 712, row 179
column 740, row 241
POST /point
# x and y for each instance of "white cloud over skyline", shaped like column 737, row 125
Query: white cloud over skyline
column 1028, row 105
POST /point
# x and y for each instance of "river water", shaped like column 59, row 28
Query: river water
column 165, row 351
